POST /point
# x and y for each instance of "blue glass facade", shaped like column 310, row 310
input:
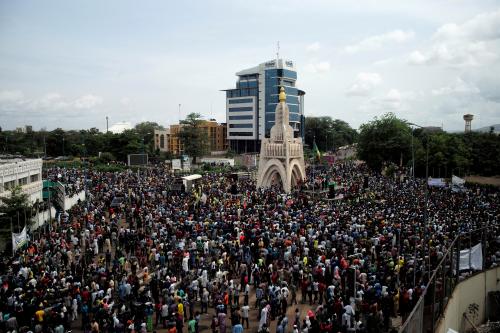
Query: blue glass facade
column 274, row 80
column 251, row 105
column 241, row 100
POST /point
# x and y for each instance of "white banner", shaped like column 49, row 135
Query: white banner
column 457, row 181
column 472, row 257
column 437, row 182
column 18, row 240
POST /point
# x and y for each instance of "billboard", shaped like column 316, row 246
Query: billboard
column 137, row 159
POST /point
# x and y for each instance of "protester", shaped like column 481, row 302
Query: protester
column 158, row 258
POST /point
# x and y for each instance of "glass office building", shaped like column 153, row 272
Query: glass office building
column 251, row 105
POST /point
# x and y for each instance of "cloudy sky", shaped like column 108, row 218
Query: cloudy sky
column 70, row 64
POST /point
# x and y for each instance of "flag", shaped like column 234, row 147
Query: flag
column 316, row 152
column 18, row 240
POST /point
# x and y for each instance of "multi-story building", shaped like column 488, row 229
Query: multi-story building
column 216, row 134
column 250, row 107
column 216, row 137
column 24, row 129
column 175, row 145
column 24, row 173
column 162, row 138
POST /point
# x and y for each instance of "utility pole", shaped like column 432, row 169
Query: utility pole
column 107, row 124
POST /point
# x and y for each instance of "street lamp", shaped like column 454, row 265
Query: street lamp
column 143, row 147
column 426, row 187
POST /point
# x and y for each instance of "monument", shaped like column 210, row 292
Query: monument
column 281, row 156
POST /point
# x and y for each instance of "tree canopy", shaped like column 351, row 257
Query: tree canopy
column 16, row 206
column 328, row 133
column 193, row 138
column 389, row 139
column 385, row 139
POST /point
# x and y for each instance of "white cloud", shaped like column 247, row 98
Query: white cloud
column 14, row 102
column 364, row 84
column 473, row 43
column 378, row 41
column 393, row 100
column 125, row 101
column 459, row 87
column 11, row 96
column 319, row 67
column 88, row 102
column 314, row 47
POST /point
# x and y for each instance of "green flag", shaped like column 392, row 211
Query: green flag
column 317, row 154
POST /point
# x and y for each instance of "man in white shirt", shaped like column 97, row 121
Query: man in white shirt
column 244, row 314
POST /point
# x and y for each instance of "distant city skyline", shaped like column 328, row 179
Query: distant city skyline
column 71, row 64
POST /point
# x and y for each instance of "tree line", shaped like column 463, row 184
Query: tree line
column 383, row 140
column 389, row 139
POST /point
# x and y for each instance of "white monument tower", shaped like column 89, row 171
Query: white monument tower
column 282, row 155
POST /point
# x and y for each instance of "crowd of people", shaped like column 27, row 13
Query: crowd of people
column 215, row 260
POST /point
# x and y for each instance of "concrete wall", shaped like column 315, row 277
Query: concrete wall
column 473, row 290
column 42, row 217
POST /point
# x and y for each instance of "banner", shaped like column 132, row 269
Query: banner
column 18, row 240
column 437, row 182
column 457, row 181
column 458, row 184
column 474, row 256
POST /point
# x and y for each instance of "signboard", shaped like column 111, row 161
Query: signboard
column 176, row 164
column 137, row 159
column 218, row 161
column 250, row 160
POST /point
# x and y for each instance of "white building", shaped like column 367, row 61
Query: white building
column 25, row 173
column 162, row 139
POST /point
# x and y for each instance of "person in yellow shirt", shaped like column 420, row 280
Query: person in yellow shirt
column 180, row 308
column 39, row 315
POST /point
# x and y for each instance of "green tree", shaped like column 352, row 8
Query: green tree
column 328, row 133
column 16, row 206
column 387, row 139
column 193, row 137
column 146, row 130
column 485, row 153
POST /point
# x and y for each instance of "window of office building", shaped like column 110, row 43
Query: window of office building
column 240, row 133
column 249, row 117
column 240, row 125
column 33, row 178
column 241, row 100
column 243, row 108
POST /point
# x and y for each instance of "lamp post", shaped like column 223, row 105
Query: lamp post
column 426, row 188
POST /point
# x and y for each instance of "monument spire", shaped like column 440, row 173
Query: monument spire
column 282, row 96
column 281, row 155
